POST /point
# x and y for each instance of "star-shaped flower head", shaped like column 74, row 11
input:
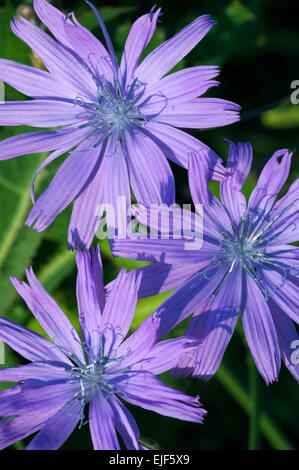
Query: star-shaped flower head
column 119, row 121
column 245, row 265
column 104, row 370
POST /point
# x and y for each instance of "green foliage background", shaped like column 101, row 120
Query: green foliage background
column 256, row 44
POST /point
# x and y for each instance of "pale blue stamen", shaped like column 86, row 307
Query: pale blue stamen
column 92, row 377
column 112, row 113
column 217, row 290
column 247, row 248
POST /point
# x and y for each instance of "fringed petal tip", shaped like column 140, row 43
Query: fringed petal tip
column 155, row 14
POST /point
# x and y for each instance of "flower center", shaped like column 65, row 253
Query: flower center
column 247, row 247
column 92, row 376
column 241, row 249
column 248, row 244
column 99, row 374
column 112, row 112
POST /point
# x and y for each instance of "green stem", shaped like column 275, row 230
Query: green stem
column 262, row 109
column 268, row 428
column 18, row 219
column 59, row 267
column 255, row 415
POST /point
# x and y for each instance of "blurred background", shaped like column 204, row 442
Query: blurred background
column 255, row 43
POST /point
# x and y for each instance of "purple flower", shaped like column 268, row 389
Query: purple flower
column 64, row 377
column 126, row 112
column 245, row 265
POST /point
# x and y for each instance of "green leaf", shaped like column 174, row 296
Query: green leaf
column 239, row 13
column 284, row 117
column 9, row 360
column 18, row 244
column 57, row 269
column 146, row 307
column 9, row 49
column 269, row 429
column 51, row 276
column 119, row 263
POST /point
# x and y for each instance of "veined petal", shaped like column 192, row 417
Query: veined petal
column 170, row 221
column 216, row 220
column 162, row 277
column 177, row 144
column 117, row 195
column 151, row 177
column 37, row 395
column 270, row 181
column 90, row 50
column 35, row 142
column 43, row 371
column 139, row 36
column 288, row 204
column 177, row 88
column 286, row 255
column 120, row 308
column 201, row 113
column 219, row 326
column 195, row 329
column 29, row 344
column 125, row 424
column 286, row 227
column 86, row 212
column 283, row 290
column 138, row 345
column 107, row 189
column 189, row 297
column 146, row 390
column 260, row 331
column 102, row 423
column 168, row 54
column 31, row 81
column 90, row 297
column 53, row 19
column 288, row 338
column 163, row 250
column 50, row 158
column 39, row 113
column 238, row 164
column 58, row 60
column 66, row 184
column 174, row 223
column 198, row 174
column 165, row 355
column 58, row 428
column 22, row 426
column 81, row 42
column 238, row 167
column 50, row 316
